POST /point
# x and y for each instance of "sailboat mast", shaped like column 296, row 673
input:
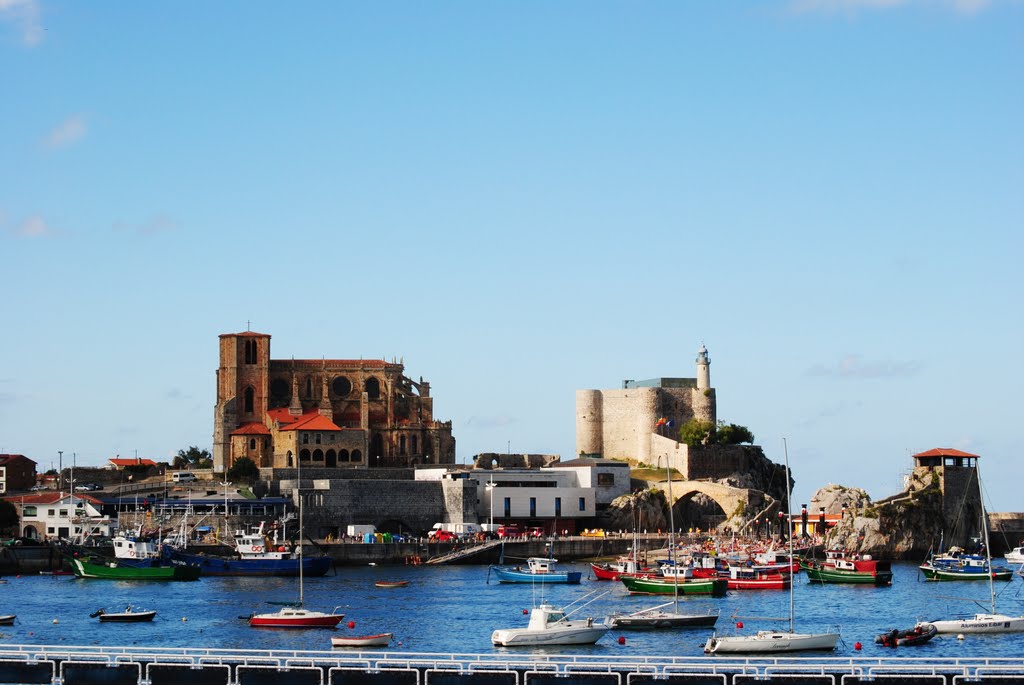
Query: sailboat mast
column 792, row 580
column 671, row 538
column 298, row 490
column 984, row 532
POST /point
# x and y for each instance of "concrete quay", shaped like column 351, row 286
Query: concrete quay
column 95, row 665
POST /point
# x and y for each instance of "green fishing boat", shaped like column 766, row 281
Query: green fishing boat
column 842, row 567
column 637, row 585
column 111, row 570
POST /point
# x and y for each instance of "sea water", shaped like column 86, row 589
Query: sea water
column 454, row 609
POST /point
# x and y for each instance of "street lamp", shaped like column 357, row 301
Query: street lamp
column 490, row 491
column 225, row 484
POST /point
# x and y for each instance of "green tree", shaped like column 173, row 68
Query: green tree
column 731, row 434
column 9, row 521
column 193, row 457
column 244, row 470
column 697, row 432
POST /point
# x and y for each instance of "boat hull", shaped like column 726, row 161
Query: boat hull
column 822, row 574
column 570, row 635
column 295, row 618
column 771, row 642
column 128, row 617
column 918, row 635
column 227, row 566
column 382, row 640
column 114, row 571
column 937, row 573
column 511, row 575
column 662, row 620
column 981, row 623
column 715, row 587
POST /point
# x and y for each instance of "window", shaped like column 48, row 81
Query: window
column 29, row 511
column 250, row 351
column 401, row 445
column 305, row 438
column 250, row 396
column 64, row 513
column 357, row 455
column 533, row 506
column 415, row 444
column 318, row 438
column 372, row 388
column 583, row 503
column 252, row 444
column 605, row 480
column 309, row 388
column 341, row 386
column 508, row 507
column 558, row 506
column 343, row 455
column 51, row 512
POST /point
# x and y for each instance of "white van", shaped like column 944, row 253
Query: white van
column 183, row 477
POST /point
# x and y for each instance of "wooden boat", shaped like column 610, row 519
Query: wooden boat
column 917, row 635
column 382, row 640
column 768, row 641
column 391, row 583
column 8, row 619
column 841, row 567
column 538, row 570
column 551, row 626
column 129, row 615
column 111, row 570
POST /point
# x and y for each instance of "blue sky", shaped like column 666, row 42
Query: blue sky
column 522, row 199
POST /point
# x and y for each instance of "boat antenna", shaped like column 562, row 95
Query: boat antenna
column 792, row 581
column 671, row 538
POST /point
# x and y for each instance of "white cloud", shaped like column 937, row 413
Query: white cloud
column 853, row 6
column 853, row 366
column 69, row 131
column 33, row 227
column 24, row 15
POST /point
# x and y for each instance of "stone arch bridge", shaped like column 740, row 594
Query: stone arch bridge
column 740, row 505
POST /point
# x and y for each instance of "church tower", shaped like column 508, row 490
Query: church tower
column 242, row 382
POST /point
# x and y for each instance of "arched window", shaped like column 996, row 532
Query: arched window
column 250, row 351
column 252, row 443
column 401, row 445
column 290, row 458
column 309, row 388
column 343, row 455
column 304, row 455
column 250, row 397
column 318, row 455
column 415, row 444
column 372, row 388
column 331, row 459
column 357, row 455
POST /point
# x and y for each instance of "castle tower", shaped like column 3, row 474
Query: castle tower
column 589, row 422
column 703, row 369
column 242, row 383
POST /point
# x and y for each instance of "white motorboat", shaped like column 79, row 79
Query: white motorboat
column 1015, row 555
column 770, row 641
column 381, row 640
column 551, row 626
column 774, row 640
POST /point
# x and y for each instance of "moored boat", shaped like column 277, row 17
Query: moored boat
column 381, row 640
column 911, row 637
column 637, row 585
column 111, row 570
column 255, row 554
column 551, row 626
column 842, row 567
column 756, row 578
column 538, row 570
column 296, row 617
column 771, row 641
column 1015, row 555
column 129, row 615
column 7, row 619
column 659, row 617
column 391, row 583
column 958, row 566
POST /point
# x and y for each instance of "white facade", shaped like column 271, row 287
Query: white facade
column 69, row 517
column 520, row 494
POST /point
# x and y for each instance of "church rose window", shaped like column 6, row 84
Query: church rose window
column 341, row 386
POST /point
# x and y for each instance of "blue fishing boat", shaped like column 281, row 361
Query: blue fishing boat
column 537, row 570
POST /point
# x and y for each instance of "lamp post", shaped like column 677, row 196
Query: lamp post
column 490, row 491
column 60, row 470
column 225, row 484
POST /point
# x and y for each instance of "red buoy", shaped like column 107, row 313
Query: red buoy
column 351, row 624
column 739, row 625
column 622, row 639
column 857, row 646
column 525, row 611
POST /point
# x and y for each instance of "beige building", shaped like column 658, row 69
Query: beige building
column 327, row 413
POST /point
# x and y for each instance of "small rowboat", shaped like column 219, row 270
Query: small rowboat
column 391, row 583
column 8, row 620
column 382, row 640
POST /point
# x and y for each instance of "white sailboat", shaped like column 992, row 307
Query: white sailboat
column 990, row 622
column 659, row 616
column 774, row 640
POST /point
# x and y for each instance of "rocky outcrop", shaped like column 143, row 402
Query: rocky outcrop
column 903, row 526
column 646, row 510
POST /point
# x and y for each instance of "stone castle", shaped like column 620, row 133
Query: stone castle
column 336, row 414
column 624, row 423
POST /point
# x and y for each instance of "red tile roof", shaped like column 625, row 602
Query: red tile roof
column 51, row 497
column 253, row 428
column 132, row 462
column 312, row 420
column 944, row 452
column 4, row 458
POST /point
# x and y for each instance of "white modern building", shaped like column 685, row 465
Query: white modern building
column 61, row 515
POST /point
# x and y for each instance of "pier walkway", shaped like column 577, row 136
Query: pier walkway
column 463, row 553
column 91, row 665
